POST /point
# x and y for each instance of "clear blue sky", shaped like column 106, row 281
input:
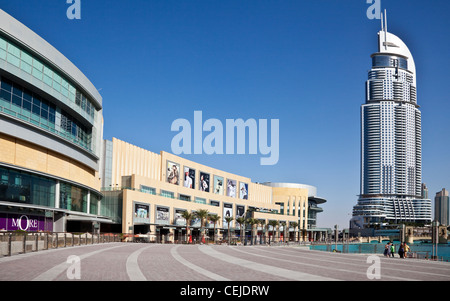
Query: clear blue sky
column 302, row 62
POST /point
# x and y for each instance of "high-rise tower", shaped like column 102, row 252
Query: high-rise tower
column 391, row 146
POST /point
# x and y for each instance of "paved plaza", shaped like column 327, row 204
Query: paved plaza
column 169, row 262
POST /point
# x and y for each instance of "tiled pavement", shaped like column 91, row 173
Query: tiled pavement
column 167, row 262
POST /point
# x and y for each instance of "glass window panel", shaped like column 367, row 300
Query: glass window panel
column 48, row 71
column 17, row 90
column 64, row 83
column 27, row 95
column 36, row 73
column 56, row 78
column 14, row 50
column 5, row 95
column 6, row 84
column 2, row 54
column 48, row 80
column 2, row 44
column 26, row 105
column 36, row 109
column 27, row 58
column 17, row 100
column 37, row 65
column 13, row 60
column 56, row 86
column 26, row 67
column 44, row 114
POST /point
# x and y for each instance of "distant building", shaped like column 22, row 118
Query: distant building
column 442, row 207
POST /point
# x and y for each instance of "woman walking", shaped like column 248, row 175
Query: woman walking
column 401, row 250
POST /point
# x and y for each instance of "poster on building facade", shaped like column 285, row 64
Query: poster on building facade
column 204, row 181
column 231, row 188
column 218, row 185
column 173, row 173
column 243, row 190
column 189, row 177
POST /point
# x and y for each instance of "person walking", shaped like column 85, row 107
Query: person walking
column 406, row 249
column 392, row 249
column 401, row 250
column 387, row 250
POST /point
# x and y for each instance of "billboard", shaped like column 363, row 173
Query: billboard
column 231, row 188
column 227, row 212
column 141, row 213
column 204, row 181
column 243, row 190
column 162, row 215
column 189, row 177
column 179, row 220
column 173, row 173
column 218, row 185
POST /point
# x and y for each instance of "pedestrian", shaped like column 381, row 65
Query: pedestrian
column 406, row 250
column 392, row 249
column 387, row 250
column 401, row 250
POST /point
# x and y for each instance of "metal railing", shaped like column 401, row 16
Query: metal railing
column 18, row 242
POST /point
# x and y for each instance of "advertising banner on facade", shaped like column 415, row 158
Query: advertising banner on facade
column 240, row 211
column 162, row 215
column 218, row 185
column 179, row 220
column 173, row 173
column 141, row 213
column 204, row 181
column 231, row 188
column 189, row 177
column 243, row 190
column 227, row 212
column 25, row 222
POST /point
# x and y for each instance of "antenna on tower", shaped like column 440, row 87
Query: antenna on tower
column 381, row 18
column 385, row 30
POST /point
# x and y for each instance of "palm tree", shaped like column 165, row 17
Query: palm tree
column 214, row 218
column 202, row 214
column 294, row 225
column 262, row 222
column 284, row 230
column 241, row 221
column 252, row 222
column 188, row 216
column 229, row 219
column 273, row 223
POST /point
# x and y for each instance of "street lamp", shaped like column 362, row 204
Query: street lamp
column 335, row 237
column 435, row 235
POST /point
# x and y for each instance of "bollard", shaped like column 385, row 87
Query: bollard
column 9, row 244
column 24, row 242
column 36, row 242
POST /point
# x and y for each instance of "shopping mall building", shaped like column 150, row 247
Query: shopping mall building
column 58, row 174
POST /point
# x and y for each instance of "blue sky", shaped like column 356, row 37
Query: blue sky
column 303, row 62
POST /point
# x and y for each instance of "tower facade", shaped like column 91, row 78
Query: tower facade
column 391, row 145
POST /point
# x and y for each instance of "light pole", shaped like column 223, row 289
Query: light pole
column 435, row 235
column 335, row 237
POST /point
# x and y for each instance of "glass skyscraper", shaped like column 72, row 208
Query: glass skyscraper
column 391, row 146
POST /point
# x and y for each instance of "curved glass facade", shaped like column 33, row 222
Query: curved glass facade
column 381, row 60
column 19, row 102
column 16, row 56
column 23, row 187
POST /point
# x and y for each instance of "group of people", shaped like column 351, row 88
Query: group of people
column 389, row 250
